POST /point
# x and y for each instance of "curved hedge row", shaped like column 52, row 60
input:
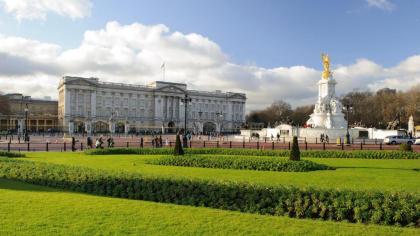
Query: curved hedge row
column 11, row 154
column 240, row 162
column 364, row 206
column 364, row 154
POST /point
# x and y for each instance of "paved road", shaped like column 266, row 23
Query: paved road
column 57, row 143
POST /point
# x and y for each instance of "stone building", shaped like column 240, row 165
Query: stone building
column 41, row 114
column 89, row 105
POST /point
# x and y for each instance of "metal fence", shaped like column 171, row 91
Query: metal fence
column 263, row 145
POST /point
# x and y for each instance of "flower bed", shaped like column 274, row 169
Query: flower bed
column 240, row 162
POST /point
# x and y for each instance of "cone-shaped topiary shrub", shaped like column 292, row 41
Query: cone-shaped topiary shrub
column 295, row 153
column 406, row 147
column 178, row 147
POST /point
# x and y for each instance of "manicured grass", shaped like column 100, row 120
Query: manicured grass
column 358, row 174
column 32, row 210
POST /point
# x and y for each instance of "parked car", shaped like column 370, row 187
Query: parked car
column 417, row 142
column 399, row 139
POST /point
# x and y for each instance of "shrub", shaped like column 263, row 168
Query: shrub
column 340, row 205
column 295, row 153
column 11, row 154
column 364, row 154
column 240, row 162
column 406, row 147
column 178, row 151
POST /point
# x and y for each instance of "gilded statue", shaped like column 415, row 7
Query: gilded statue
column 326, row 62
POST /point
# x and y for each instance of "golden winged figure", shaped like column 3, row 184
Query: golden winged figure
column 326, row 62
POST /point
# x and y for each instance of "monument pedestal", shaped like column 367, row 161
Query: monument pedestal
column 327, row 112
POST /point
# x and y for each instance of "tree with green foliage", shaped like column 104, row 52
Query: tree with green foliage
column 295, row 152
column 178, row 151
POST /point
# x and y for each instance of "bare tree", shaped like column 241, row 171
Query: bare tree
column 369, row 109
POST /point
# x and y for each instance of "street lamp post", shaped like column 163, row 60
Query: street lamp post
column 348, row 107
column 185, row 100
column 220, row 120
column 200, row 113
column 26, row 138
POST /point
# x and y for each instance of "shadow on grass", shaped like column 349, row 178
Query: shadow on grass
column 23, row 186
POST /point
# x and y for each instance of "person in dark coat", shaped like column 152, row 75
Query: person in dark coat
column 89, row 142
column 108, row 141
column 160, row 141
column 73, row 144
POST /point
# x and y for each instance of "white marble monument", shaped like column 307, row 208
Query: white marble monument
column 411, row 125
column 328, row 109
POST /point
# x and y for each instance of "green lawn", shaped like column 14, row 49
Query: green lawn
column 33, row 210
column 381, row 175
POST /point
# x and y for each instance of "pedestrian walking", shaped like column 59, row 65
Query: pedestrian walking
column 73, row 144
column 89, row 142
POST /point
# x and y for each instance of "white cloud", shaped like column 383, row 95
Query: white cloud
column 381, row 4
column 38, row 9
column 134, row 53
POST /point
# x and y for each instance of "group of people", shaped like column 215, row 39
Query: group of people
column 157, row 142
column 278, row 137
column 324, row 138
column 100, row 142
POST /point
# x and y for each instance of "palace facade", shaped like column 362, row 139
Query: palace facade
column 90, row 105
column 40, row 115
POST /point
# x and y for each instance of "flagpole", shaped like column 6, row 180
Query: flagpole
column 164, row 70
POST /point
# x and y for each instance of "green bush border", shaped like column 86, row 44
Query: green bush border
column 11, row 154
column 363, row 154
column 239, row 162
column 340, row 205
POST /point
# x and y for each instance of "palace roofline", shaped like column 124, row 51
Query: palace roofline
column 151, row 86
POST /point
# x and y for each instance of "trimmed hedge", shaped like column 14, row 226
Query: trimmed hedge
column 240, row 162
column 352, row 206
column 363, row 154
column 11, row 154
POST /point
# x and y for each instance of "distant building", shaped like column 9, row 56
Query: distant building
column 41, row 114
column 89, row 105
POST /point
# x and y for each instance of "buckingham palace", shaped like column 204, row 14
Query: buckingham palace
column 92, row 106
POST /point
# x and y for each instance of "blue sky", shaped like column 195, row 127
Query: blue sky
column 271, row 41
column 267, row 33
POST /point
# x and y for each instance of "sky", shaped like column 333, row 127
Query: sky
column 268, row 49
